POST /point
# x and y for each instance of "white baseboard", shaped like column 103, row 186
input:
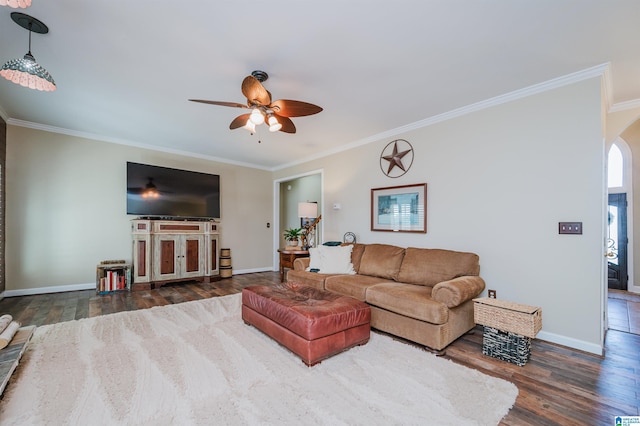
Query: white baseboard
column 253, row 271
column 45, row 290
column 571, row 342
column 92, row 286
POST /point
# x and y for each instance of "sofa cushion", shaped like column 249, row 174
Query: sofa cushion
column 430, row 266
column 331, row 260
column 351, row 285
column 409, row 300
column 381, row 260
column 309, row 279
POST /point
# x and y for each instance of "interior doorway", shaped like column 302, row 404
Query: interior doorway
column 623, row 292
column 287, row 193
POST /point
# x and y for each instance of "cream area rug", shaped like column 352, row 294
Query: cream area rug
column 197, row 363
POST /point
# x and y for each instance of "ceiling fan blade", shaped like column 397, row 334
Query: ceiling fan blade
column 221, row 103
column 287, row 124
column 255, row 92
column 239, row 121
column 289, row 108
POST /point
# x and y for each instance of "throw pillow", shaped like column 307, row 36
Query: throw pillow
column 331, row 260
column 336, row 260
column 315, row 259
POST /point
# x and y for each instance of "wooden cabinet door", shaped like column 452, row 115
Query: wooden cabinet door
column 212, row 255
column 141, row 258
column 192, row 256
column 166, row 249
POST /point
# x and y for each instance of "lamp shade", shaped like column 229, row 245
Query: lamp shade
column 308, row 210
column 22, row 4
column 28, row 73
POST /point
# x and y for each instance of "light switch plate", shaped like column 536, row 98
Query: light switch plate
column 572, row 228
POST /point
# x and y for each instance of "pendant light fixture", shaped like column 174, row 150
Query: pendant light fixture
column 26, row 71
column 22, row 4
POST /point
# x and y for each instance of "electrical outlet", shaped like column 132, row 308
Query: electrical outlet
column 492, row 294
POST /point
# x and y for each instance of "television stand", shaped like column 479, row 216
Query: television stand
column 166, row 251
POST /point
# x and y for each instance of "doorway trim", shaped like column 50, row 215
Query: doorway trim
column 276, row 210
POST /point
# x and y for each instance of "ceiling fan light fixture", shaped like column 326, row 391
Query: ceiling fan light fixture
column 250, row 126
column 274, row 126
column 26, row 71
column 15, row 4
column 257, row 116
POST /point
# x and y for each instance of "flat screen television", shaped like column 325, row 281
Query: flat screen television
column 162, row 192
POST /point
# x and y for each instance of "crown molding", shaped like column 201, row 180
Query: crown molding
column 102, row 138
column 623, row 106
column 601, row 70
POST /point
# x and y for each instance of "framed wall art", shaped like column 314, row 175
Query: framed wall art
column 399, row 208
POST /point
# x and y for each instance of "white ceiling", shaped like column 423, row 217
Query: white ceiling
column 125, row 69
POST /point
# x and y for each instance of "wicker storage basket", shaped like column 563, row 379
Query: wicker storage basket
column 506, row 346
column 508, row 316
column 226, row 272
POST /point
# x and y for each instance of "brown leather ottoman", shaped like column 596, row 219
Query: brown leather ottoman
column 314, row 324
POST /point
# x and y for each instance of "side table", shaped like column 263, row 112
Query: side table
column 508, row 328
column 287, row 257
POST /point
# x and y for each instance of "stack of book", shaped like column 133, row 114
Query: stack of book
column 113, row 275
column 112, row 280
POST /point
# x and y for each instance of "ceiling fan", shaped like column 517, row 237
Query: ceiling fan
column 150, row 190
column 276, row 114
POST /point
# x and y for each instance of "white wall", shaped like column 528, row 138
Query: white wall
column 66, row 208
column 499, row 181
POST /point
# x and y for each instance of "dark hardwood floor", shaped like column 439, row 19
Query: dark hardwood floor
column 624, row 311
column 558, row 386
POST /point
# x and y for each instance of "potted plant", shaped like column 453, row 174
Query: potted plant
column 291, row 235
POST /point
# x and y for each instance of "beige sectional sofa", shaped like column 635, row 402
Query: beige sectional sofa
column 423, row 295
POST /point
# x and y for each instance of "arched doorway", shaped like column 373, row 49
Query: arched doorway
column 622, row 302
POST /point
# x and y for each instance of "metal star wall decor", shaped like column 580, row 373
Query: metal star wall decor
column 396, row 158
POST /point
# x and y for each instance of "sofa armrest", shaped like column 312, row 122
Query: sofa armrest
column 458, row 290
column 301, row 263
